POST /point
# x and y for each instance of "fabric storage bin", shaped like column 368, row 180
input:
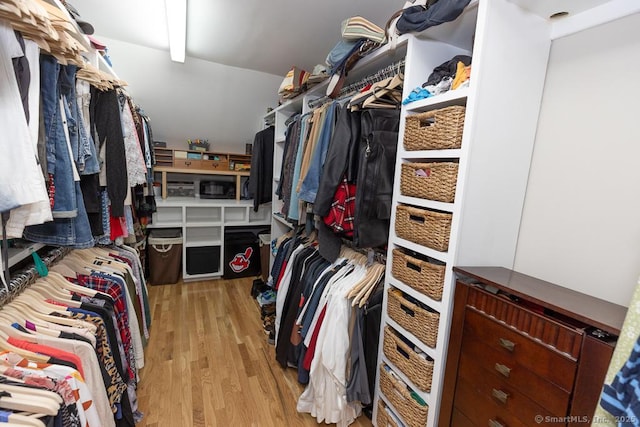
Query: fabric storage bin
column 383, row 419
column 412, row 413
column 165, row 255
column 424, row 227
column 203, row 260
column 433, row 181
column 419, row 321
column 416, row 368
column 423, row 276
column 435, row 129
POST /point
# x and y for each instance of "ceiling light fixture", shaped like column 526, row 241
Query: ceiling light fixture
column 177, row 26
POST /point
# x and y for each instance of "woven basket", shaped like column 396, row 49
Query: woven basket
column 382, row 418
column 438, row 184
column 435, row 130
column 424, row 227
column 417, row 369
column 423, row 276
column 415, row 319
column 413, row 414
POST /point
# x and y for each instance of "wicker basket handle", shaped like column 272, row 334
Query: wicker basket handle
column 408, row 309
column 426, row 119
column 414, row 267
column 417, row 218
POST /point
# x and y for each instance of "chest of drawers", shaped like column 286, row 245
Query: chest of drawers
column 524, row 352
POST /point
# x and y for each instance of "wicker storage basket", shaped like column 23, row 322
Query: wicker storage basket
column 423, row 276
column 416, row 368
column 423, row 226
column 438, row 182
column 435, row 129
column 383, row 419
column 412, row 413
column 415, row 319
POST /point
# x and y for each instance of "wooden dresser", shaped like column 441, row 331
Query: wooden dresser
column 524, row 352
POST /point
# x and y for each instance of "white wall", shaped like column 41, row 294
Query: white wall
column 197, row 99
column 581, row 221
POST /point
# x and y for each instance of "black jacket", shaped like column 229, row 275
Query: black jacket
column 261, row 176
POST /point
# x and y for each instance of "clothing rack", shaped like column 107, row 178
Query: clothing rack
column 24, row 278
column 386, row 72
column 375, row 254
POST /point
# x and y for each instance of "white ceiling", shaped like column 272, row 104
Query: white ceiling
column 264, row 35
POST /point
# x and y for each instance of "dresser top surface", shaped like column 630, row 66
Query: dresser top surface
column 585, row 308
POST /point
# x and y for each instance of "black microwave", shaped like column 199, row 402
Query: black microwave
column 217, row 189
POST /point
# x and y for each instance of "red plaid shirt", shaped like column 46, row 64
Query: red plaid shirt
column 341, row 213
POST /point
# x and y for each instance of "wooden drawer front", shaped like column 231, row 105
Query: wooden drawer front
column 215, row 165
column 496, row 364
column 187, row 163
column 548, row 331
column 483, row 410
column 458, row 419
column 531, row 354
column 506, row 395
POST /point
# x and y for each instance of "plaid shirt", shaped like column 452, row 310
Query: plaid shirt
column 341, row 213
column 114, row 290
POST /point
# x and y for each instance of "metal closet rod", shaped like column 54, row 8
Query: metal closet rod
column 384, row 73
column 24, row 278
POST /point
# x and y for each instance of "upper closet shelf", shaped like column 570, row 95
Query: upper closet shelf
column 459, row 33
column 447, row 99
column 376, row 60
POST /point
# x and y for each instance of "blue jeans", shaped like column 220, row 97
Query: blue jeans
column 71, row 224
column 58, row 160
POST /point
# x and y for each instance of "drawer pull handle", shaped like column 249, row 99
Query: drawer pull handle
column 500, row 395
column 506, row 344
column 495, row 423
column 504, row 370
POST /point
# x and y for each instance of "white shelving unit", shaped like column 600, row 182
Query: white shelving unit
column 497, row 143
column 203, row 222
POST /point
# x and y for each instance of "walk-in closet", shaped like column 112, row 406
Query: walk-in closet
column 402, row 213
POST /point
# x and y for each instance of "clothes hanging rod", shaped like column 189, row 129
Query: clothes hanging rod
column 24, row 278
column 386, row 72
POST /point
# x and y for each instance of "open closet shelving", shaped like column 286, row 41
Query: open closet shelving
column 509, row 42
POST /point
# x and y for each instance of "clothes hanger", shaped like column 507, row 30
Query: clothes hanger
column 4, row 345
column 58, row 280
column 363, row 295
column 36, row 392
column 22, row 402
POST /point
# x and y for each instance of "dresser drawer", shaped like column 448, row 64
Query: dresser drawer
column 483, row 410
column 187, row 163
column 458, row 419
column 521, row 349
column 496, row 364
column 219, row 165
column 501, row 391
column 545, row 329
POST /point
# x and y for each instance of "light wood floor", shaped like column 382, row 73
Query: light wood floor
column 208, row 362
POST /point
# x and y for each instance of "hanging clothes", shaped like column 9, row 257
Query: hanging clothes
column 261, row 175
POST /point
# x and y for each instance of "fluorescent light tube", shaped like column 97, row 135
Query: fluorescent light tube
column 177, row 26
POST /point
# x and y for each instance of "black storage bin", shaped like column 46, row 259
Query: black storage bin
column 165, row 255
column 203, row 259
column 241, row 254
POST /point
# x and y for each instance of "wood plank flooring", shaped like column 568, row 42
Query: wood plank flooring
column 208, row 362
